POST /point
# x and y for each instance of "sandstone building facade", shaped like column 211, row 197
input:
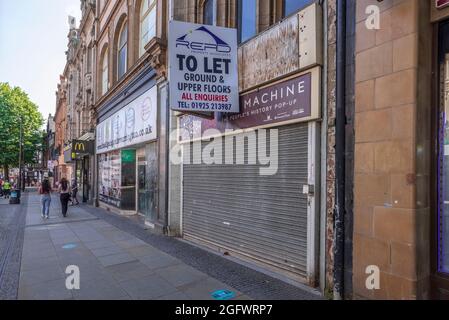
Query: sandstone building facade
column 360, row 185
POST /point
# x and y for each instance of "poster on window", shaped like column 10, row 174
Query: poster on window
column 110, row 178
column 203, row 72
column 133, row 124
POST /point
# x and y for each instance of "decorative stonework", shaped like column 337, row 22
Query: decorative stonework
column 157, row 50
column 88, row 82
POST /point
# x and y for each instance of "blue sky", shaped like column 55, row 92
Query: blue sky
column 33, row 41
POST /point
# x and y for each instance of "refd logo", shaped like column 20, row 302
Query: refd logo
column 219, row 46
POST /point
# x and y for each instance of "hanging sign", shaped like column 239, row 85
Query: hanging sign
column 203, row 70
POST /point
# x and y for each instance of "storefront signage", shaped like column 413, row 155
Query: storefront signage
column 81, row 148
column 133, row 124
column 281, row 102
column 129, row 156
column 68, row 156
column 442, row 3
column 203, row 71
column 292, row 100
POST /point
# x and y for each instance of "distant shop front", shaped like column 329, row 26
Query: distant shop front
column 78, row 156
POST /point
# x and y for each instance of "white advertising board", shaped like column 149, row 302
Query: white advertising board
column 203, row 72
column 133, row 124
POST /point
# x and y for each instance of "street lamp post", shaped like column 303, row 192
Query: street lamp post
column 20, row 154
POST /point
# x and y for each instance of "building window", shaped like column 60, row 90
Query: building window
column 122, row 51
column 247, row 19
column 292, row 6
column 208, row 12
column 147, row 24
column 104, row 73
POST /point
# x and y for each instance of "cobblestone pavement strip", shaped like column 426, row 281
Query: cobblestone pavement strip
column 12, row 223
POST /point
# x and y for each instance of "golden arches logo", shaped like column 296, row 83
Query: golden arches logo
column 79, row 146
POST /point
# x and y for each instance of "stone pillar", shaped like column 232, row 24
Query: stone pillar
column 391, row 215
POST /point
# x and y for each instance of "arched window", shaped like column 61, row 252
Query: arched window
column 147, row 23
column 122, row 51
column 104, row 73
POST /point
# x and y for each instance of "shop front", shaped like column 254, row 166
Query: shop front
column 263, row 211
column 250, row 163
column 78, row 155
column 126, row 155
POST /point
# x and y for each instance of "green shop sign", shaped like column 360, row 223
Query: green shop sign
column 128, row 156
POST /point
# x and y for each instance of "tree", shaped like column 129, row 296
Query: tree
column 16, row 107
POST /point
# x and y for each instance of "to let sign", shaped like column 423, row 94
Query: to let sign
column 203, row 70
column 442, row 3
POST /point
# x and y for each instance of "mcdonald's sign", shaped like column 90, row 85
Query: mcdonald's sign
column 82, row 148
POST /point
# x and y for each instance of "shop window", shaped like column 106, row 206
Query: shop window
column 117, row 178
column 208, row 12
column 104, row 73
column 147, row 23
column 247, row 19
column 122, row 51
column 292, row 6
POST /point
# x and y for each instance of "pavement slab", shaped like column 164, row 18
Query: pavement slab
column 113, row 264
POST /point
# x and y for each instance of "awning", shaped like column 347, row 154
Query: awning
column 87, row 137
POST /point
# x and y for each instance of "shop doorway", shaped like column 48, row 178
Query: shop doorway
column 85, row 179
column 147, row 182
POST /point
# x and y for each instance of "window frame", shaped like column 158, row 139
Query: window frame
column 119, row 49
column 105, row 72
column 142, row 17
column 283, row 11
column 240, row 22
column 214, row 11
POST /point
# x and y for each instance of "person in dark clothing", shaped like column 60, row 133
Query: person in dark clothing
column 64, row 191
column 74, row 192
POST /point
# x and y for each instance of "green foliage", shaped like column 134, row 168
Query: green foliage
column 15, row 105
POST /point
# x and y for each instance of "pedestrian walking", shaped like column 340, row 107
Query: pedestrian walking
column 7, row 189
column 45, row 192
column 64, row 195
column 74, row 192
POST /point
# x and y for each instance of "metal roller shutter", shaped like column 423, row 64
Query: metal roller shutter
column 260, row 217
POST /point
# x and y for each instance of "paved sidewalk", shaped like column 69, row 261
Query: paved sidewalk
column 113, row 264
